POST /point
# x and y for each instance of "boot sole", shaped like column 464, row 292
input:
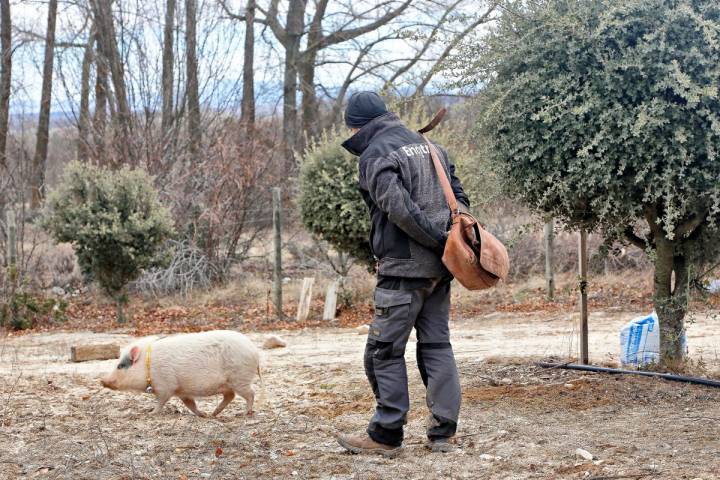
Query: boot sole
column 387, row 453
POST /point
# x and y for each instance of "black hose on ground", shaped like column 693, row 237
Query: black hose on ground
column 667, row 376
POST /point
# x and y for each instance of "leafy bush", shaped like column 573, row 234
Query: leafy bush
column 114, row 221
column 24, row 310
column 606, row 115
column 331, row 207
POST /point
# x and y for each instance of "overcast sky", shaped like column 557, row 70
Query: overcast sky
column 219, row 39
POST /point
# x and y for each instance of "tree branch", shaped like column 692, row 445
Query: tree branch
column 482, row 19
column 689, row 226
column 271, row 20
column 237, row 16
column 344, row 35
column 431, row 38
column 641, row 243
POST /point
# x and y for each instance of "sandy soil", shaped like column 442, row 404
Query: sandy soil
column 518, row 421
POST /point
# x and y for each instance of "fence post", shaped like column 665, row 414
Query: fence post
column 549, row 258
column 305, row 299
column 583, row 267
column 331, row 301
column 277, row 247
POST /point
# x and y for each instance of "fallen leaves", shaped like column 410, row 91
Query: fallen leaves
column 250, row 315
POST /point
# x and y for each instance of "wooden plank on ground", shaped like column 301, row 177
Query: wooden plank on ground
column 305, row 298
column 103, row 351
column 331, row 301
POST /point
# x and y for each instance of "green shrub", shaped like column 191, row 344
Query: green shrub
column 114, row 221
column 606, row 116
column 24, row 310
column 331, row 207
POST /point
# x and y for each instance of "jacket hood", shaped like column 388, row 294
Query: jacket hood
column 360, row 141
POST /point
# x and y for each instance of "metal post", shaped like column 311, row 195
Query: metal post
column 583, row 267
column 277, row 247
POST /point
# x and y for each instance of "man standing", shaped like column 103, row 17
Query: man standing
column 410, row 219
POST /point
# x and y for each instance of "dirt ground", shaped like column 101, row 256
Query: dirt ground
column 518, row 420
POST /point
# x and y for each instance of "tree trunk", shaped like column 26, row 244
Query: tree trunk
column 247, row 114
column 83, row 146
column 101, row 101
column 106, row 38
column 120, row 302
column 5, row 77
column 193, row 96
column 294, row 30
column 37, row 178
column 309, row 105
column 167, row 73
column 671, row 304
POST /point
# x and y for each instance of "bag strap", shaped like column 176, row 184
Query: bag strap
column 442, row 175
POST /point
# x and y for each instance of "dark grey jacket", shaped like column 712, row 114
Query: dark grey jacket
column 409, row 214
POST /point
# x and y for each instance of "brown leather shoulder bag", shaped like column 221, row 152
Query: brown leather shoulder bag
column 473, row 255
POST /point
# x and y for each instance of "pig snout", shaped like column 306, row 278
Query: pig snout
column 108, row 382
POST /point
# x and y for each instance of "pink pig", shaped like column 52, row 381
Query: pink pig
column 188, row 366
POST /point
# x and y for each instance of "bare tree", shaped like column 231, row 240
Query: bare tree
column 289, row 37
column 105, row 25
column 37, row 178
column 193, row 95
column 167, row 70
column 300, row 65
column 318, row 41
column 5, row 76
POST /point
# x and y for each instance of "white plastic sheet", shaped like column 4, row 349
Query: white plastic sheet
column 640, row 341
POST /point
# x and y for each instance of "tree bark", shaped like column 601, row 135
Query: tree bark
column 37, row 179
column 101, row 102
column 671, row 304
column 5, row 77
column 83, row 145
column 167, row 72
column 247, row 113
column 193, row 95
column 309, row 105
column 306, row 69
column 294, row 26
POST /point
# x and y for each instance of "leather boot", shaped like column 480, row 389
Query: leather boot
column 362, row 443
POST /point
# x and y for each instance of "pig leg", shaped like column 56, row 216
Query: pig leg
column 227, row 398
column 248, row 394
column 162, row 400
column 192, row 406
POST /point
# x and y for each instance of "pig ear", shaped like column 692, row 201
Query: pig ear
column 135, row 354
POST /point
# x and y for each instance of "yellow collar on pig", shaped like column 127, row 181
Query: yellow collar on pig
column 148, row 378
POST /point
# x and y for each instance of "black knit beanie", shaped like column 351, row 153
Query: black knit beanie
column 363, row 107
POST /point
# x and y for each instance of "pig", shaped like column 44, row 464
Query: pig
column 188, row 366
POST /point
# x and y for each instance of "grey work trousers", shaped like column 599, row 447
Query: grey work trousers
column 397, row 312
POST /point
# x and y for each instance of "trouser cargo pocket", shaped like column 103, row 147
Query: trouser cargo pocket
column 391, row 324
